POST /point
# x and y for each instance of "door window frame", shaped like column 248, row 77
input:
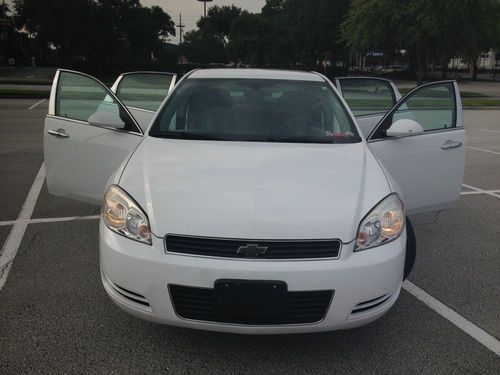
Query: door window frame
column 53, row 104
column 457, row 116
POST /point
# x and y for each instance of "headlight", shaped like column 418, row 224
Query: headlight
column 384, row 223
column 124, row 216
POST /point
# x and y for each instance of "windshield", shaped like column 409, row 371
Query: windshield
column 255, row 110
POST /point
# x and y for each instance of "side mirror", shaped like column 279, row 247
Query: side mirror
column 105, row 118
column 404, row 127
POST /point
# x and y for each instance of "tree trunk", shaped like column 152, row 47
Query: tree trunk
column 421, row 67
column 444, row 68
column 474, row 70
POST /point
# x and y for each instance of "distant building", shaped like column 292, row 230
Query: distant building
column 487, row 60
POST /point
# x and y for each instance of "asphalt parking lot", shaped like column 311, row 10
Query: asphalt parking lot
column 55, row 317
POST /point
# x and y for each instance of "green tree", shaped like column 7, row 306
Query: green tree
column 203, row 47
column 480, row 29
column 432, row 30
column 69, row 27
column 219, row 23
column 98, row 30
column 251, row 40
column 220, row 20
column 312, row 25
column 145, row 29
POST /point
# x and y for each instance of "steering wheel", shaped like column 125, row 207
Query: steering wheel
column 296, row 125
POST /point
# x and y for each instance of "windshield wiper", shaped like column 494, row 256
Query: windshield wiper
column 188, row 135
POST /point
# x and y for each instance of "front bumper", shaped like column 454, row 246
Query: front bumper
column 136, row 277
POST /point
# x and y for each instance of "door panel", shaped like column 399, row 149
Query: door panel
column 143, row 93
column 80, row 157
column 369, row 99
column 429, row 167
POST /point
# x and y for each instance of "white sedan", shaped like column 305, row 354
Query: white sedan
column 254, row 201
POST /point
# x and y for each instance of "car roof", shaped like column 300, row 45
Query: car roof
column 257, row 74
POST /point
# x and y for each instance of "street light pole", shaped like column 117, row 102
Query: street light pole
column 205, row 7
column 180, row 26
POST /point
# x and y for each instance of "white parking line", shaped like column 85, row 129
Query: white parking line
column 50, row 220
column 452, row 316
column 36, row 104
column 480, row 191
column 484, row 150
column 473, row 192
column 11, row 245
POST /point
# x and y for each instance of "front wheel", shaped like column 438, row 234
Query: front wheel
column 411, row 249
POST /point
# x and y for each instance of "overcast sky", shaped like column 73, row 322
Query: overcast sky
column 192, row 10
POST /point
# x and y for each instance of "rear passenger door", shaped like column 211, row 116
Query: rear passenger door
column 369, row 99
column 143, row 93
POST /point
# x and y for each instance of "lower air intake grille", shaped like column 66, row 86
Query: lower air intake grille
column 131, row 296
column 199, row 304
column 257, row 249
column 371, row 304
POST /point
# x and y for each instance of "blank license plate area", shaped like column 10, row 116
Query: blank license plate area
column 251, row 299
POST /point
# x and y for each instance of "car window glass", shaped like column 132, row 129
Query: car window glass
column 257, row 110
column 144, row 90
column 367, row 96
column 432, row 107
column 79, row 97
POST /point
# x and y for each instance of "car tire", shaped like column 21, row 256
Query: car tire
column 411, row 249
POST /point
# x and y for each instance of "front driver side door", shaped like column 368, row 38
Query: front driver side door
column 80, row 152
column 429, row 167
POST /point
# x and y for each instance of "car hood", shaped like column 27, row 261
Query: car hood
column 254, row 190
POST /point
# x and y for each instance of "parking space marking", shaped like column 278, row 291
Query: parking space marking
column 480, row 191
column 36, row 104
column 50, row 220
column 477, row 333
column 11, row 245
column 484, row 150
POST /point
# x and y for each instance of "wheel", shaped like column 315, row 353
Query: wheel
column 411, row 249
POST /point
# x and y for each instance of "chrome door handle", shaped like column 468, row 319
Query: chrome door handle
column 58, row 133
column 451, row 144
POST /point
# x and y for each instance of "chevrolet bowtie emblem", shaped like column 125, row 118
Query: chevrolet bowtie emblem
column 251, row 249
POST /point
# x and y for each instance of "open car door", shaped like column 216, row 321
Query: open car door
column 369, row 99
column 421, row 143
column 143, row 93
column 88, row 133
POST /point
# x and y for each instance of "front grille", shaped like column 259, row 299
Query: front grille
column 199, row 304
column 242, row 248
